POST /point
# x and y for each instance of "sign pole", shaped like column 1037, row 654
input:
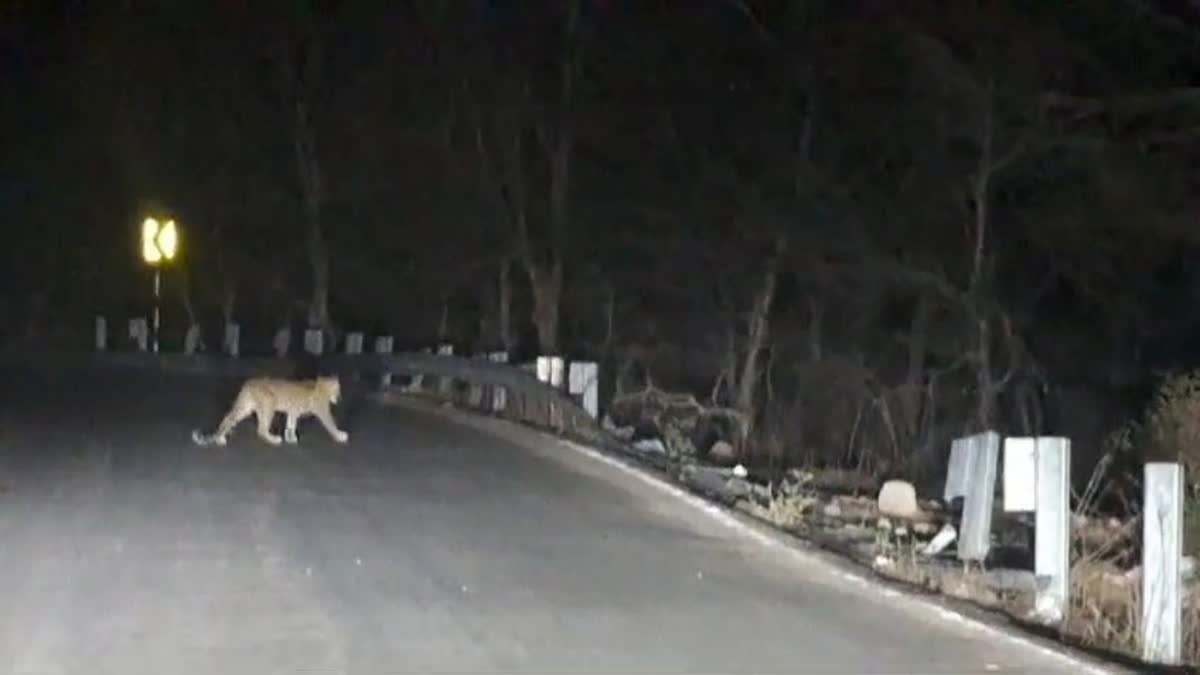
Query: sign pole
column 157, row 295
column 159, row 244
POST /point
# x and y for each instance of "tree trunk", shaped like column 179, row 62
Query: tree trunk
column 546, row 285
column 505, row 306
column 918, row 345
column 610, row 311
column 312, row 185
column 986, row 397
column 759, row 321
column 443, row 327
column 227, row 303
column 318, row 259
column 980, row 194
column 816, row 329
column 558, row 137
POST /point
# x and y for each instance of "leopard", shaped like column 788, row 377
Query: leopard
column 265, row 396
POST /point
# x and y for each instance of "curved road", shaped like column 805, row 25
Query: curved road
column 424, row 545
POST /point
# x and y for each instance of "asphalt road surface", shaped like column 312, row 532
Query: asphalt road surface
column 424, row 545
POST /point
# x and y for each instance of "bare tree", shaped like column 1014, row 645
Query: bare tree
column 301, row 64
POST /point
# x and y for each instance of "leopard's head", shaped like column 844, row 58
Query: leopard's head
column 330, row 387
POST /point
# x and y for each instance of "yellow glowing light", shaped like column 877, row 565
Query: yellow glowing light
column 150, row 252
column 168, row 240
column 159, row 242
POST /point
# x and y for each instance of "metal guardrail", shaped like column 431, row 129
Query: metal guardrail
column 527, row 399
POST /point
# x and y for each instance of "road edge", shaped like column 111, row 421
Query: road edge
column 940, row 608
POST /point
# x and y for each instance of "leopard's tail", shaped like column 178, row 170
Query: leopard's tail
column 199, row 438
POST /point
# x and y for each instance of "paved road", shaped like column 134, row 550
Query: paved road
column 423, row 546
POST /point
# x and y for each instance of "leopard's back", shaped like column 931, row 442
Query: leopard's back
column 292, row 397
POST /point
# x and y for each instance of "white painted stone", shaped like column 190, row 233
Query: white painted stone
column 721, row 452
column 940, row 541
column 898, row 498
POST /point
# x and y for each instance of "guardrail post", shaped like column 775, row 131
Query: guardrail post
column 974, row 540
column 139, row 332
column 475, row 391
column 354, row 343
column 549, row 369
column 191, row 340
column 499, row 394
column 282, row 342
column 314, row 341
column 1052, row 527
column 583, row 379
column 101, row 334
column 383, row 345
column 1162, row 563
column 233, row 334
column 416, row 382
column 443, row 387
column 1037, row 477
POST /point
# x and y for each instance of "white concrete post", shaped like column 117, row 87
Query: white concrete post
column 557, row 372
column 191, row 340
column 956, row 472
column 445, row 349
column 974, row 539
column 233, row 335
column 282, row 342
column 1037, row 477
column 383, row 345
column 475, row 391
column 417, row 381
column 1052, row 528
column 1162, row 563
column 139, row 332
column 314, row 341
column 583, row 379
column 499, row 394
column 550, row 370
column 101, row 334
column 1020, row 475
column 354, row 343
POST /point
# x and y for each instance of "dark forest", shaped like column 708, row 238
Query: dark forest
column 867, row 226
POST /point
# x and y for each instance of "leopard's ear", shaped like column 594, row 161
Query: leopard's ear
column 332, row 386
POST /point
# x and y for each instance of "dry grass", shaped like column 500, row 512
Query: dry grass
column 1105, row 607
